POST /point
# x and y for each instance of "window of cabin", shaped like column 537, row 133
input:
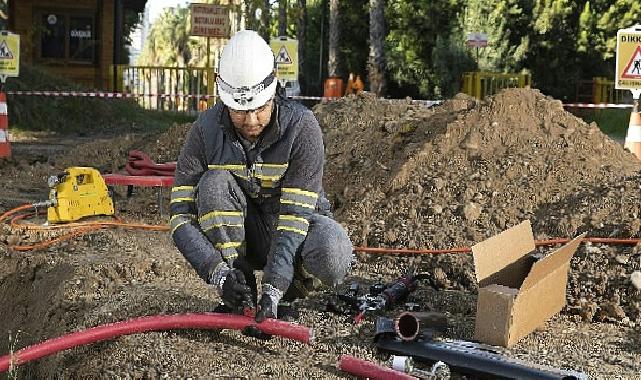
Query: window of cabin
column 67, row 37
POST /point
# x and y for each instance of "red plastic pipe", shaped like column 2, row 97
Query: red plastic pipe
column 363, row 368
column 154, row 323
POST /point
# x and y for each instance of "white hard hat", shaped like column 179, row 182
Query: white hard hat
column 246, row 78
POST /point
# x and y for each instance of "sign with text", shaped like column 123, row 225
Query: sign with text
column 209, row 20
column 476, row 39
column 286, row 54
column 9, row 55
column 628, row 59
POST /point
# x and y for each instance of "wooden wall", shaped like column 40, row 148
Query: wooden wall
column 25, row 14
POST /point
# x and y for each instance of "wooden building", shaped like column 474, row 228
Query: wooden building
column 76, row 39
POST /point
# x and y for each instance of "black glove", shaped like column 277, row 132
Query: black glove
column 235, row 291
column 266, row 308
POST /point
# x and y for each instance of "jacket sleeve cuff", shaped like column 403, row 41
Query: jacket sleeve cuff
column 278, row 282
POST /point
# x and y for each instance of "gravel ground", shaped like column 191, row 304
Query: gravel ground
column 400, row 175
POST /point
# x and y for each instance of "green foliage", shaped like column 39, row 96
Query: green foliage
column 131, row 19
column 612, row 122
column 451, row 60
column 168, row 42
column 354, row 46
column 558, row 41
column 414, row 27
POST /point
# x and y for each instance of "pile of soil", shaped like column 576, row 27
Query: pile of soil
column 404, row 175
column 400, row 174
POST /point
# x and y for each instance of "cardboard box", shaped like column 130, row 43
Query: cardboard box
column 517, row 291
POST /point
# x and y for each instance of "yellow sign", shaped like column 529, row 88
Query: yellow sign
column 628, row 61
column 209, row 20
column 286, row 54
column 9, row 55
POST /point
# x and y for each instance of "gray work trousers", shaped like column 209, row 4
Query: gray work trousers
column 326, row 254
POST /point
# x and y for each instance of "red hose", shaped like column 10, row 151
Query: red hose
column 154, row 323
column 363, row 368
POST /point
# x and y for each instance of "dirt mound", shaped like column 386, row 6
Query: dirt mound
column 404, row 175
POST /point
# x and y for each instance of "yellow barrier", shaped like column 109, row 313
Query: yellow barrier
column 166, row 88
column 481, row 84
column 603, row 91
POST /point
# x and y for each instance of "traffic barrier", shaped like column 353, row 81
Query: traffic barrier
column 633, row 137
column 333, row 87
column 5, row 146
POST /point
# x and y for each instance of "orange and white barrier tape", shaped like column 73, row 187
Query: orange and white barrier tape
column 596, row 105
column 5, row 146
column 105, row 94
column 101, row 94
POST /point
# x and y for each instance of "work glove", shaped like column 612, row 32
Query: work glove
column 268, row 304
column 232, row 287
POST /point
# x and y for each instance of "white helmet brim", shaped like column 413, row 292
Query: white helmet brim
column 247, row 98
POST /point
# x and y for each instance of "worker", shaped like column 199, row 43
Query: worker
column 248, row 193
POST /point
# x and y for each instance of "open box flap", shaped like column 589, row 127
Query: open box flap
column 551, row 262
column 497, row 252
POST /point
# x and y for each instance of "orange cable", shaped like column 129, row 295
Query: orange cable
column 13, row 211
column 84, row 227
column 407, row 251
column 47, row 243
column 77, row 229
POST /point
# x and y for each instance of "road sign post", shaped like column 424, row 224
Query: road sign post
column 628, row 77
column 211, row 21
column 628, row 61
column 286, row 53
column 477, row 40
column 9, row 67
column 9, row 55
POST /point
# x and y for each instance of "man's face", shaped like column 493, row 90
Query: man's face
column 250, row 124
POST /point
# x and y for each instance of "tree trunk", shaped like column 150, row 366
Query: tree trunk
column 301, row 35
column 334, row 37
column 249, row 14
column 282, row 17
column 265, row 17
column 376, row 63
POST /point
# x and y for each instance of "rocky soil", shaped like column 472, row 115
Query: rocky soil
column 399, row 174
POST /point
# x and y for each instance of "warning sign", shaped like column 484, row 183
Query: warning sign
column 5, row 52
column 286, row 54
column 9, row 55
column 628, row 59
column 633, row 68
column 209, row 20
column 283, row 56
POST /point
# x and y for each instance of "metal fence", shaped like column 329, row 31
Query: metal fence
column 183, row 89
column 604, row 92
column 481, row 84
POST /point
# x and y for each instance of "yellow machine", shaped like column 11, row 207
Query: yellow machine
column 77, row 193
